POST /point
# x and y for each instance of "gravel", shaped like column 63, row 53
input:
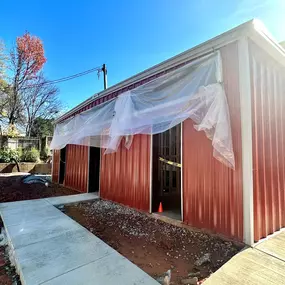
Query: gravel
column 152, row 244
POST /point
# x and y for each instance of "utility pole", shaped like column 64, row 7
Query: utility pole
column 104, row 69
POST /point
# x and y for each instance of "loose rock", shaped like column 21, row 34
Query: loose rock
column 206, row 258
column 194, row 274
column 165, row 278
column 151, row 243
column 190, row 281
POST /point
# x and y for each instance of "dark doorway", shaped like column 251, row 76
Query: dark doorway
column 62, row 165
column 167, row 172
column 94, row 169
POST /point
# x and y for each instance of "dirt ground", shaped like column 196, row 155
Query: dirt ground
column 13, row 189
column 153, row 245
column 8, row 275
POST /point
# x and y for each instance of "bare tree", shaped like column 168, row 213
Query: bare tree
column 26, row 94
column 4, row 87
column 3, row 60
column 40, row 100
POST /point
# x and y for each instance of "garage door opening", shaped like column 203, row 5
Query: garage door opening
column 166, row 184
column 94, row 169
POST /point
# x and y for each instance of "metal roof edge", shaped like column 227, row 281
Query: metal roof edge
column 266, row 41
column 212, row 44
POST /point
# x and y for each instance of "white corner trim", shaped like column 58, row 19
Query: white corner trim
column 100, row 165
column 181, row 180
column 246, row 138
column 150, row 173
column 88, row 169
column 52, row 160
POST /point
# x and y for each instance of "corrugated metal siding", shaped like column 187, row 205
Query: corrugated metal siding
column 55, row 165
column 268, row 114
column 212, row 196
column 76, row 171
column 125, row 175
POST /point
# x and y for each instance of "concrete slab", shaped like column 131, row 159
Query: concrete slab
column 274, row 246
column 250, row 267
column 53, row 257
column 111, row 269
column 23, row 204
column 14, row 174
column 49, row 247
column 72, row 199
column 176, row 215
column 23, row 216
column 29, row 233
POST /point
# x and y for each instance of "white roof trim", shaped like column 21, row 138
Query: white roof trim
column 266, row 41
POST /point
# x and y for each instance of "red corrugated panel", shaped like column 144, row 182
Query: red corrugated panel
column 55, row 165
column 125, row 175
column 76, row 171
column 213, row 196
column 268, row 114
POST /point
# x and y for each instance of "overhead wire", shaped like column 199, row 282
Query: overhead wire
column 59, row 80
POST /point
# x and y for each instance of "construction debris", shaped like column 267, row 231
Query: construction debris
column 33, row 179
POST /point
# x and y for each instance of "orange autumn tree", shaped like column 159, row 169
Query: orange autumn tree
column 30, row 53
column 26, row 61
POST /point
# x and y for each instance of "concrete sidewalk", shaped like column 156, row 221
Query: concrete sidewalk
column 55, row 201
column 263, row 264
column 51, row 248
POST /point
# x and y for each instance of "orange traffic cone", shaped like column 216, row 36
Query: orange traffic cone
column 160, row 209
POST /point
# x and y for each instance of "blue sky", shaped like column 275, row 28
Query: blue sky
column 129, row 36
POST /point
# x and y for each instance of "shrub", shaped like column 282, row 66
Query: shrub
column 45, row 153
column 6, row 154
column 30, row 155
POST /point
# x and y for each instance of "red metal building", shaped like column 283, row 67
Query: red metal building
column 245, row 204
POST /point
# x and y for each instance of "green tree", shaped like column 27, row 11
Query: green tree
column 42, row 127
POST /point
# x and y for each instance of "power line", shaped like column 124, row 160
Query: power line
column 76, row 75
column 98, row 69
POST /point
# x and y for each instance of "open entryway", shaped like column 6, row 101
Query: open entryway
column 62, row 165
column 94, row 169
column 166, row 176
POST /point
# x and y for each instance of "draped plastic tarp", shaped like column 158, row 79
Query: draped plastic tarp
column 193, row 91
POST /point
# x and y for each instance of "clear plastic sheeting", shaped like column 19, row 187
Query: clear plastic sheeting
column 192, row 91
